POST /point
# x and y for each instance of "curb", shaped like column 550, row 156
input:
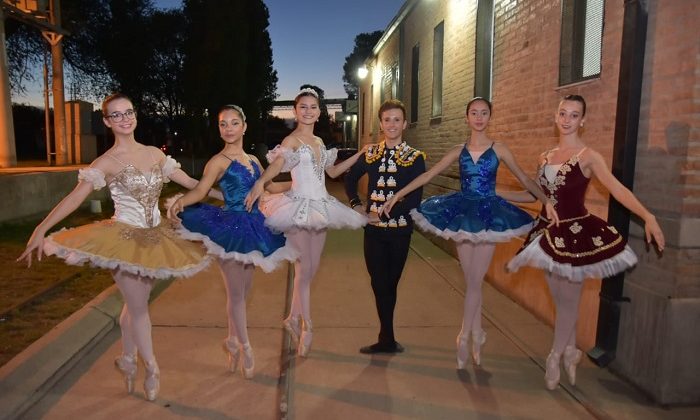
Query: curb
column 31, row 374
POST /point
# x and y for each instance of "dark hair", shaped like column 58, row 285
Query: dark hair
column 476, row 99
column 576, row 98
column 232, row 107
column 113, row 97
column 306, row 92
column 392, row 104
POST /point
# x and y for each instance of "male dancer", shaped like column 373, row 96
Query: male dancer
column 390, row 165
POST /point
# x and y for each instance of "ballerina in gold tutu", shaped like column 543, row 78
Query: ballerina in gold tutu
column 134, row 244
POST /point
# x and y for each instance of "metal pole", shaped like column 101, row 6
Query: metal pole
column 59, row 107
column 8, row 154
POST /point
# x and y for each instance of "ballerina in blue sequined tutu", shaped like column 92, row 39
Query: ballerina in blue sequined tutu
column 474, row 217
column 237, row 237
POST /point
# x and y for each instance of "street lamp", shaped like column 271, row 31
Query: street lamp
column 362, row 72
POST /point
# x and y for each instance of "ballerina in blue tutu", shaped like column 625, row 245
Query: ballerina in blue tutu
column 237, row 237
column 475, row 217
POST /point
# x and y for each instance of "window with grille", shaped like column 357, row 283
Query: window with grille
column 438, row 46
column 581, row 40
column 484, row 49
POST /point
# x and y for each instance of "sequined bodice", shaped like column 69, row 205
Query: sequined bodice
column 135, row 196
column 568, row 189
column 235, row 184
column 478, row 178
column 308, row 176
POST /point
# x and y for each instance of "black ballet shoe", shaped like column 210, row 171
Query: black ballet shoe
column 394, row 347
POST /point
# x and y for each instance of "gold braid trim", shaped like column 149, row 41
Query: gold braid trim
column 544, row 219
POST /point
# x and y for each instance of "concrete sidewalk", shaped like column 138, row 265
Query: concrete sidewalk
column 335, row 381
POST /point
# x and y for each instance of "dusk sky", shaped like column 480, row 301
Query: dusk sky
column 311, row 38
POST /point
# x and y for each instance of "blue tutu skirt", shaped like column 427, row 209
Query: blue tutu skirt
column 235, row 234
column 461, row 217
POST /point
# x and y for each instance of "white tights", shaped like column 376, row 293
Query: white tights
column 475, row 260
column 238, row 278
column 135, row 321
column 309, row 243
column 566, row 295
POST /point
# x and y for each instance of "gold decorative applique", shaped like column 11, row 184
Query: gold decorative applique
column 559, row 242
column 612, row 229
column 145, row 191
column 581, row 254
column 559, row 180
column 145, row 236
column 575, row 228
column 597, row 241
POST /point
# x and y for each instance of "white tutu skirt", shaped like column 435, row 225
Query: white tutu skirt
column 533, row 255
column 285, row 212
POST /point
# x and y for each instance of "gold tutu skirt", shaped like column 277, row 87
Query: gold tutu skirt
column 156, row 252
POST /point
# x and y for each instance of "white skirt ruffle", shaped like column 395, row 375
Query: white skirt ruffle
column 534, row 256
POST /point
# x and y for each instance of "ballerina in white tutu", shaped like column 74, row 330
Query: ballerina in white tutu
column 306, row 211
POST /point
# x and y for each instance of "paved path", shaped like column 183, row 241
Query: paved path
column 335, row 381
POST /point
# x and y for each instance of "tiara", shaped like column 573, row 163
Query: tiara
column 237, row 108
column 310, row 91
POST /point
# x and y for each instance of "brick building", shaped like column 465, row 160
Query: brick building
column 637, row 63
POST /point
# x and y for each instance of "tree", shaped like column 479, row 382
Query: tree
column 364, row 43
column 228, row 59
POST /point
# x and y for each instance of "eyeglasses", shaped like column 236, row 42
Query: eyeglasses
column 129, row 114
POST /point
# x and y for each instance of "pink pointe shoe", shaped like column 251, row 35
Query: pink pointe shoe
column 552, row 372
column 291, row 324
column 305, row 338
column 232, row 349
column 151, row 385
column 572, row 357
column 127, row 364
column 248, row 366
column 462, row 350
column 478, row 340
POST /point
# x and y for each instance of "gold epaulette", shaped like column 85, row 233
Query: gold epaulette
column 408, row 155
column 374, row 153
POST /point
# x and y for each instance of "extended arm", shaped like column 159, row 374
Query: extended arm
column 256, row 191
column 67, row 206
column 517, row 196
column 507, row 157
column 212, row 172
column 412, row 199
column 180, row 177
column 340, row 168
column 423, row 178
column 624, row 196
